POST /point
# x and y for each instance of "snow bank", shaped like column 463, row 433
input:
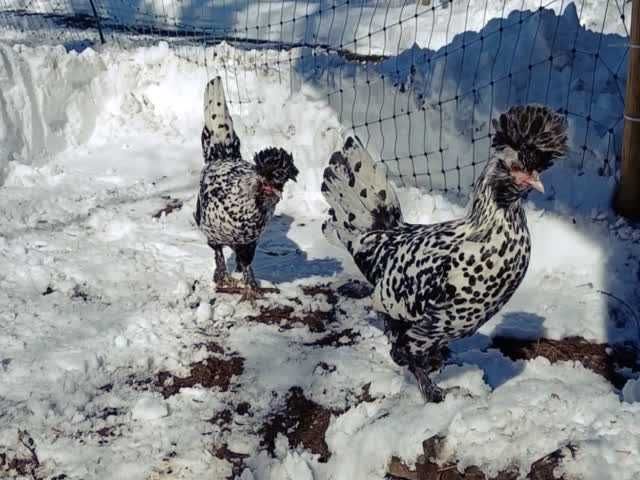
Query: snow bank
column 427, row 113
column 366, row 27
column 56, row 100
column 49, row 100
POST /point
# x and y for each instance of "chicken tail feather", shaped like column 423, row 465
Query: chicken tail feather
column 219, row 139
column 360, row 195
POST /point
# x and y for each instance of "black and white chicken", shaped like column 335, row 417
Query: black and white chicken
column 436, row 283
column 237, row 198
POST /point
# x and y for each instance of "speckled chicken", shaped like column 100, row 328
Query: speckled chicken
column 237, row 198
column 440, row 282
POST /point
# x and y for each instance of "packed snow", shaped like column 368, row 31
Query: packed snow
column 365, row 27
column 99, row 298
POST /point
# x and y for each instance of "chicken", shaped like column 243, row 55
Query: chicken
column 236, row 199
column 436, row 283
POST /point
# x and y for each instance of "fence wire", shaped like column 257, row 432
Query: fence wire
column 417, row 81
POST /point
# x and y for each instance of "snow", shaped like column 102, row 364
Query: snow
column 366, row 27
column 97, row 296
column 149, row 407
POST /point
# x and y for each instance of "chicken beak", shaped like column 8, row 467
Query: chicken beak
column 535, row 182
column 270, row 190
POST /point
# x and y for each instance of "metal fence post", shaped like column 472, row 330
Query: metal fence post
column 627, row 201
column 95, row 14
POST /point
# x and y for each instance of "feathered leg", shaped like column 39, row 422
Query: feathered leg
column 221, row 277
column 429, row 390
column 244, row 258
column 409, row 347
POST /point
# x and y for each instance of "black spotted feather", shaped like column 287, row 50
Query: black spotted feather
column 237, row 198
column 435, row 283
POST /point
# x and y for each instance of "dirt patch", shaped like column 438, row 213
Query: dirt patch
column 79, row 294
column 244, row 408
column 601, row 358
column 211, row 347
column 428, row 468
column 222, row 419
column 324, row 289
column 209, row 373
column 303, row 422
column 172, row 205
column 25, row 461
column 544, row 468
column 109, row 412
column 240, row 290
column 235, row 459
column 343, row 338
column 215, row 371
column 18, row 466
column 286, row 319
column 365, row 394
column 324, row 368
column 106, row 434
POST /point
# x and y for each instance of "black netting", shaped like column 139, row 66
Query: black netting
column 417, row 81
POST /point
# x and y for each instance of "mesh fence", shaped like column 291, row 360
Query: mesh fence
column 417, row 81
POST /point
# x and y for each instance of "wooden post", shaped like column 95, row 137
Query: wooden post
column 627, row 200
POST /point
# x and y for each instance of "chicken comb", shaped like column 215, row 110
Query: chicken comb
column 535, row 131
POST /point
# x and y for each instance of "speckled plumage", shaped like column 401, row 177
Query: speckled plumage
column 236, row 199
column 436, row 283
column 233, row 210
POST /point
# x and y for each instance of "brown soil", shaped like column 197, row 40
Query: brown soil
column 343, row 338
column 26, row 465
column 244, row 408
column 316, row 321
column 222, row 419
column 105, row 434
column 427, row 467
column 284, row 318
column 603, row 359
column 212, row 347
column 240, row 289
column 235, row 459
column 323, row 289
column 108, row 412
column 209, row 373
column 22, row 466
column 214, row 371
column 172, row 205
column 303, row 422
column 365, row 395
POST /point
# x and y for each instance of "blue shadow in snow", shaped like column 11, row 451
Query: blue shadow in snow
column 279, row 259
column 478, row 350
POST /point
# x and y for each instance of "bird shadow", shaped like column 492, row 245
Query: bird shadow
column 279, row 259
column 479, row 349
